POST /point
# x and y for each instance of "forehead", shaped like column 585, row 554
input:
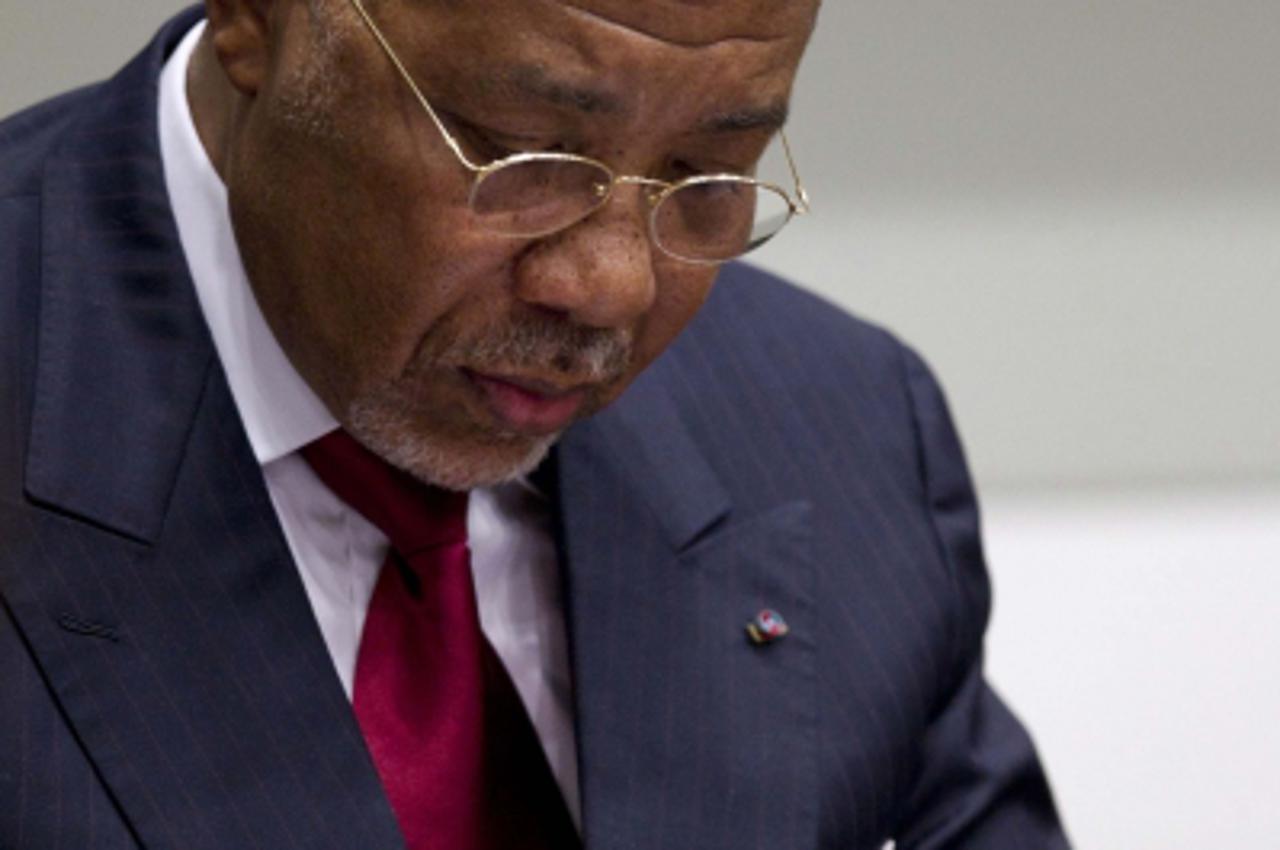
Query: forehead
column 621, row 56
column 694, row 23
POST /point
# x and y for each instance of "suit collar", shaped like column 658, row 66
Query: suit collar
column 114, row 281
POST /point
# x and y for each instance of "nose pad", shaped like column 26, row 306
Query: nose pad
column 598, row 272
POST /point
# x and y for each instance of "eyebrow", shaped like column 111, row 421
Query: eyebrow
column 530, row 80
column 770, row 117
column 536, row 81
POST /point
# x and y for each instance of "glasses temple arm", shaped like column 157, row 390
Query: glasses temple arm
column 413, row 86
column 801, row 195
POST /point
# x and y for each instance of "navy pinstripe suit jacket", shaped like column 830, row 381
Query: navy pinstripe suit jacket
column 163, row 683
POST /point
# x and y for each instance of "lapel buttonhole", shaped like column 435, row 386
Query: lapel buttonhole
column 71, row 623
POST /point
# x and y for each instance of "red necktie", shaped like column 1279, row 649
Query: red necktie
column 457, row 755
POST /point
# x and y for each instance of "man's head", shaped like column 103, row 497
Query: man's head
column 455, row 352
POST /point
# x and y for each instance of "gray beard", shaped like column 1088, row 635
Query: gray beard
column 387, row 420
column 388, row 430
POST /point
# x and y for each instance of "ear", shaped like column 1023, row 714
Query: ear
column 239, row 31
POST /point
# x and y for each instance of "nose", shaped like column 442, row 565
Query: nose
column 599, row 273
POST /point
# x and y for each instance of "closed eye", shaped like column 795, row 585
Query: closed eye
column 491, row 145
column 683, row 170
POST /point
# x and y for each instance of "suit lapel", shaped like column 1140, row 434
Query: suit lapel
column 156, row 589
column 689, row 735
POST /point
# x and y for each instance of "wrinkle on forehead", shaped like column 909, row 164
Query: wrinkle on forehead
column 701, row 23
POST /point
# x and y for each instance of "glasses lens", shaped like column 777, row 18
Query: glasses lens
column 535, row 194
column 719, row 218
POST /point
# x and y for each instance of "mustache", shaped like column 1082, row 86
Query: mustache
column 539, row 343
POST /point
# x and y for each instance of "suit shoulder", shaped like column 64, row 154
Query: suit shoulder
column 753, row 310
column 27, row 137
column 764, row 349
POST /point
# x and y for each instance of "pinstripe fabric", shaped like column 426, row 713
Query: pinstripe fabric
column 165, row 684
column 818, row 474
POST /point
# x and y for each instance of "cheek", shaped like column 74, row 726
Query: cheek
column 440, row 282
column 409, row 264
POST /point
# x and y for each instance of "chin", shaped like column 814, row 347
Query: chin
column 451, row 461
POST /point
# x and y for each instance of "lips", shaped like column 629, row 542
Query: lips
column 527, row 405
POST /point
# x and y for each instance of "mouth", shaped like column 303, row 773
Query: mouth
column 525, row 405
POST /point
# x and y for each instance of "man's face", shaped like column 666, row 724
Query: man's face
column 455, row 353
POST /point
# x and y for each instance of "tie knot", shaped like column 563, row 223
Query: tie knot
column 414, row 516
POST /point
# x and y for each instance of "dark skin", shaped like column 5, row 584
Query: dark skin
column 351, row 212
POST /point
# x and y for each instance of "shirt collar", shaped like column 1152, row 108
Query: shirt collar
column 279, row 411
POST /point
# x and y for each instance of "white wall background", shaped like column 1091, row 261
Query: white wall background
column 1137, row 632
column 1072, row 208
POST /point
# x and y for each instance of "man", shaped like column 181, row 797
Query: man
column 309, row 278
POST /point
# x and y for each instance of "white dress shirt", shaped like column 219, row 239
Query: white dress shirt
column 337, row 551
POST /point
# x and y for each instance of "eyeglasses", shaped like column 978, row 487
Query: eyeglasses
column 705, row 219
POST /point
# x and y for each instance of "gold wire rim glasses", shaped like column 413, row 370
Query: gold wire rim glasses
column 662, row 189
